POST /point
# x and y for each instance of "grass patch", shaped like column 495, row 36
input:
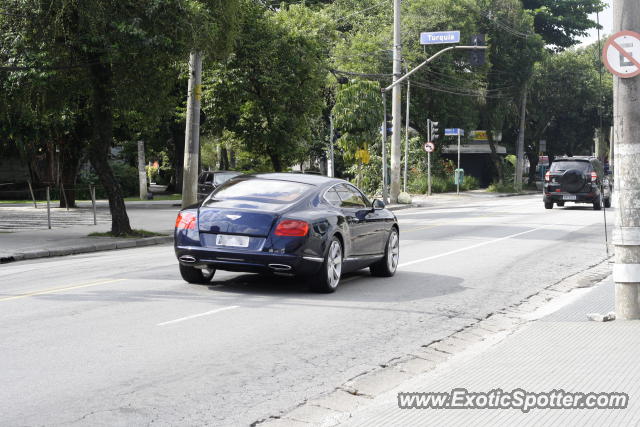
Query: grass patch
column 135, row 234
column 12, row 202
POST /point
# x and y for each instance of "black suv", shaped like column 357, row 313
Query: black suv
column 208, row 181
column 578, row 180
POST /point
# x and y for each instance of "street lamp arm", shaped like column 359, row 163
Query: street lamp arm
column 406, row 76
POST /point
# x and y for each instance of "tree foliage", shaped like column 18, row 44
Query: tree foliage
column 270, row 90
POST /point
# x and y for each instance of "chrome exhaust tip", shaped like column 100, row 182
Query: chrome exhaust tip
column 280, row 267
column 188, row 259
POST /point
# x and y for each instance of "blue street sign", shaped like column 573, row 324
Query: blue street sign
column 440, row 37
column 453, row 132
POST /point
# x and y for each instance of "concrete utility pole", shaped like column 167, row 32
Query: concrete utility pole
column 396, row 105
column 192, row 132
column 626, row 235
column 520, row 144
column 330, row 158
column 406, row 138
column 142, row 171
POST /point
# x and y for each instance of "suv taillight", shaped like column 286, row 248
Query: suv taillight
column 547, row 176
column 186, row 221
column 594, row 177
column 292, row 227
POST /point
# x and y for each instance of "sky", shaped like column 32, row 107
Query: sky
column 606, row 20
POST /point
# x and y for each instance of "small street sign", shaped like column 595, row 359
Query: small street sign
column 621, row 54
column 454, row 132
column 440, row 37
column 429, row 147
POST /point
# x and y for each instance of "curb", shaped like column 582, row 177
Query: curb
column 524, row 193
column 96, row 247
column 402, row 207
column 338, row 405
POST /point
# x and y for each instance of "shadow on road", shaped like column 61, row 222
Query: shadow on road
column 358, row 286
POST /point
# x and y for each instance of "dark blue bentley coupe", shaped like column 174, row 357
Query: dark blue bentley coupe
column 291, row 224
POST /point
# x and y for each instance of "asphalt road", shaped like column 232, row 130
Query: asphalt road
column 117, row 338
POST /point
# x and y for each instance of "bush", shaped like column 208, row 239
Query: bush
column 126, row 175
column 439, row 184
column 470, row 183
column 496, row 187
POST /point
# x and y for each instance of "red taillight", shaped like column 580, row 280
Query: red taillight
column 547, row 176
column 594, row 177
column 186, row 221
column 292, row 227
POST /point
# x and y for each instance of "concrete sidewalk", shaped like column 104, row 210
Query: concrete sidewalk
column 562, row 350
column 24, row 233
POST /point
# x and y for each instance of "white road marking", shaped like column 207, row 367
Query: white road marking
column 417, row 261
column 206, row 313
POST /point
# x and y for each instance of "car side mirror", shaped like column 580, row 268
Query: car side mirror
column 377, row 204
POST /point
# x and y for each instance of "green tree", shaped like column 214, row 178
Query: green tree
column 561, row 23
column 124, row 54
column 567, row 122
column 269, row 92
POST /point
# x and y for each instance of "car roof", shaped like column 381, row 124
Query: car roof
column 578, row 158
column 299, row 177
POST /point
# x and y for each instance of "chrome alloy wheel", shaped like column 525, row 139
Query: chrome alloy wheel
column 334, row 264
column 393, row 251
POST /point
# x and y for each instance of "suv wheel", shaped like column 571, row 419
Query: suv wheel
column 548, row 205
column 607, row 202
column 597, row 204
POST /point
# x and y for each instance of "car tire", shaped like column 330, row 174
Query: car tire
column 607, row 202
column 327, row 280
column 560, row 204
column 196, row 275
column 548, row 205
column 388, row 265
column 597, row 204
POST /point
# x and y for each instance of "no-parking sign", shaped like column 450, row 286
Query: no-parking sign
column 621, row 54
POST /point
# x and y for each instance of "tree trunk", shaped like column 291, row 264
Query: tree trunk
column 224, row 159
column 70, row 157
column 533, row 165
column 495, row 157
column 101, row 143
column 275, row 161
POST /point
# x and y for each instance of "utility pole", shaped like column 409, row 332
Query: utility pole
column 396, row 105
column 406, row 138
column 626, row 114
column 458, row 180
column 192, row 131
column 520, row 144
column 330, row 160
column 142, row 171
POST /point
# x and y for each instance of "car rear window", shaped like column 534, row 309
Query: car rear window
column 563, row 165
column 221, row 178
column 268, row 190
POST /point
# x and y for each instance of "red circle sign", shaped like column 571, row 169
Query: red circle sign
column 429, row 147
column 621, row 54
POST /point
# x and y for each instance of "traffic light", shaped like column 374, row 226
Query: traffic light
column 476, row 56
column 433, row 130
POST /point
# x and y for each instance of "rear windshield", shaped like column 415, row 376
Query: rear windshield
column 221, row 178
column 563, row 165
column 267, row 190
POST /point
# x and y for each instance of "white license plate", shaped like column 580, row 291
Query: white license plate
column 234, row 241
column 569, row 197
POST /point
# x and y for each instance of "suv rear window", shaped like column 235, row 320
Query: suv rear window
column 563, row 165
column 268, row 190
